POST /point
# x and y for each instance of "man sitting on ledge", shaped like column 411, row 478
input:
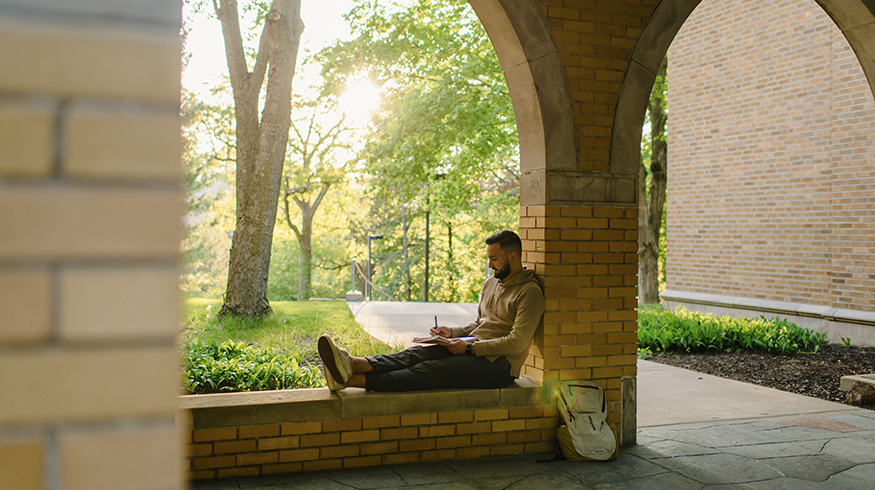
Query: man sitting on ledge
column 511, row 309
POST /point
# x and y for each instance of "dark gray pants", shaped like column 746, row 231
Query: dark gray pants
column 434, row 367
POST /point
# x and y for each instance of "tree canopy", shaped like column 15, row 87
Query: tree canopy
column 446, row 125
column 442, row 148
column 436, row 174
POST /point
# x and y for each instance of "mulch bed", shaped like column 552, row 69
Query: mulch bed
column 817, row 375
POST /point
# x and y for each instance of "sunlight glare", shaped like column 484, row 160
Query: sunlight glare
column 359, row 100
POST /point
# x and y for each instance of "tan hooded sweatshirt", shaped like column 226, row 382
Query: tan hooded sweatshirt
column 507, row 317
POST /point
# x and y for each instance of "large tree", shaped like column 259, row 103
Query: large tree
column 652, row 184
column 260, row 141
column 315, row 165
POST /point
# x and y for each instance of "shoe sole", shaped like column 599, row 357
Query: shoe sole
column 330, row 383
column 327, row 355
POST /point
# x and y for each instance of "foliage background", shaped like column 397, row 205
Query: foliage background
column 442, row 145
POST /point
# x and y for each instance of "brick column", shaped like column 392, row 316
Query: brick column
column 587, row 258
column 579, row 214
column 89, row 237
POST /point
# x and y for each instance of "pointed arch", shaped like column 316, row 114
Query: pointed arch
column 538, row 88
column 855, row 18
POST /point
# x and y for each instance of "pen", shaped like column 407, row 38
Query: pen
column 435, row 321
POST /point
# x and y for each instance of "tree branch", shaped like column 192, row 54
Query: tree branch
column 300, row 188
column 289, row 217
column 229, row 16
column 318, row 199
column 261, row 59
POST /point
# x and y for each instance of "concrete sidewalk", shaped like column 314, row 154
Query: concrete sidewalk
column 695, row 431
column 398, row 323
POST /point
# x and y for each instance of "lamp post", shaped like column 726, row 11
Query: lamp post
column 370, row 237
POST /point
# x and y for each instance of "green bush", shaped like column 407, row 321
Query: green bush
column 237, row 366
column 274, row 352
column 665, row 331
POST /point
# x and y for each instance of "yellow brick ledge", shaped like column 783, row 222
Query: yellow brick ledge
column 269, row 432
column 318, row 404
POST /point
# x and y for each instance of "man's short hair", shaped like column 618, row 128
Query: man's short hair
column 507, row 240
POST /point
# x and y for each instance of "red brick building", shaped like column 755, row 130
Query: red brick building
column 771, row 205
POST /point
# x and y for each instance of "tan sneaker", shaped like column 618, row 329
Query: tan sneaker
column 335, row 360
column 329, row 381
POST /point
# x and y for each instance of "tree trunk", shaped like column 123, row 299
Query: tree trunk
column 261, row 146
column 304, row 234
column 305, row 269
column 427, row 244
column 652, row 202
column 450, row 262
column 404, row 225
column 311, row 158
column 305, row 237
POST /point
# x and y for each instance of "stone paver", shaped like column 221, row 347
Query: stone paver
column 815, row 467
column 765, row 455
column 771, row 450
column 857, row 478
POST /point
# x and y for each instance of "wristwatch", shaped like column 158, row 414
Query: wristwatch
column 468, row 349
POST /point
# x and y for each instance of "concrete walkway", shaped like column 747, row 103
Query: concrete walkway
column 398, row 323
column 695, row 431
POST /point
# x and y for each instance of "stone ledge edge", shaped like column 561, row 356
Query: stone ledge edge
column 770, row 306
column 313, row 404
column 848, row 381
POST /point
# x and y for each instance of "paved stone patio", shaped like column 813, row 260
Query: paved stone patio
column 815, row 452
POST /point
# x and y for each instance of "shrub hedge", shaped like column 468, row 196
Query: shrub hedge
column 681, row 330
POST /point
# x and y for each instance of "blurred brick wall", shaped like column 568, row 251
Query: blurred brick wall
column 771, row 157
column 90, row 209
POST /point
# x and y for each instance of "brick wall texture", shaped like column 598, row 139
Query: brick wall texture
column 586, row 254
column 771, row 157
column 587, row 259
column 89, row 239
column 369, row 441
column 595, row 39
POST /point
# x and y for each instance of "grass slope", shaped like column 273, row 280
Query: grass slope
column 275, row 352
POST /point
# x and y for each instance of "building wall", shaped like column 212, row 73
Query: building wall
column 369, row 441
column 89, row 237
column 771, row 157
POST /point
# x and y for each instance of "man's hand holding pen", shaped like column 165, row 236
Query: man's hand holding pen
column 442, row 331
column 456, row 346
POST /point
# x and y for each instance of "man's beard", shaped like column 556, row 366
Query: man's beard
column 503, row 272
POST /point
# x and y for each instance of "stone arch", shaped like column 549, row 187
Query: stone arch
column 855, row 18
column 538, row 88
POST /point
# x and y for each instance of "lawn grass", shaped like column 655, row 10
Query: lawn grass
column 293, row 328
column 216, row 351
